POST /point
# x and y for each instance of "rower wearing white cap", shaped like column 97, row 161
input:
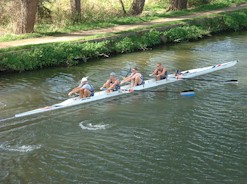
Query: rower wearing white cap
column 85, row 89
column 112, row 84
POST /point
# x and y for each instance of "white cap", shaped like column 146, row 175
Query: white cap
column 112, row 74
column 84, row 79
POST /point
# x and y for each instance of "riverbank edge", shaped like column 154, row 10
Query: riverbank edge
column 37, row 57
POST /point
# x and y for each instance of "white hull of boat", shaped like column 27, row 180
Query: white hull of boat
column 124, row 89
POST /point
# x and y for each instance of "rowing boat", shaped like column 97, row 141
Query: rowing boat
column 125, row 89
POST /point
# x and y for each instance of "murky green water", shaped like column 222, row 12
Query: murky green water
column 141, row 138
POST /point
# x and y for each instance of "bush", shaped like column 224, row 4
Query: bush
column 138, row 42
column 185, row 33
column 152, row 38
column 236, row 21
column 51, row 55
column 124, row 45
column 233, row 21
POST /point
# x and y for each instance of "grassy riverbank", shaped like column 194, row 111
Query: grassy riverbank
column 71, row 53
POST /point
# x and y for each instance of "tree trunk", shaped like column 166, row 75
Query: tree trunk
column 137, row 7
column 122, row 4
column 26, row 20
column 177, row 5
column 75, row 10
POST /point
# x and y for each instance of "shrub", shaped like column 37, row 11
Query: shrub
column 236, row 20
column 124, row 45
column 152, row 38
column 185, row 33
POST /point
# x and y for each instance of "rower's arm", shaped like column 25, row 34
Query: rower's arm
column 163, row 71
column 113, row 85
column 154, row 73
column 75, row 90
column 127, row 79
column 105, row 84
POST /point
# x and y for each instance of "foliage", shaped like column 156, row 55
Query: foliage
column 137, row 42
column 213, row 25
column 232, row 21
column 51, row 55
column 236, row 20
column 152, row 38
column 197, row 2
column 124, row 45
column 185, row 33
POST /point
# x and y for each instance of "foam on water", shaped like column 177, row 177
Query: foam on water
column 89, row 126
column 17, row 148
column 2, row 105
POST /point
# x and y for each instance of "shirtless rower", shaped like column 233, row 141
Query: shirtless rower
column 135, row 77
column 160, row 72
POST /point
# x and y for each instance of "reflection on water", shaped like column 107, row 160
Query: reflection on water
column 137, row 138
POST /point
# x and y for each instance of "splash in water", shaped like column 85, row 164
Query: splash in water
column 2, row 105
column 90, row 126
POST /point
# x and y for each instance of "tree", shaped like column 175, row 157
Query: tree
column 44, row 13
column 137, row 7
column 122, row 4
column 26, row 20
column 75, row 10
column 177, row 5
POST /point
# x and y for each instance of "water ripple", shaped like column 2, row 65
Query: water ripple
column 18, row 148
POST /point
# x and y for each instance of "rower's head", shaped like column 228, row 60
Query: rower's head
column 158, row 65
column 84, row 80
column 112, row 75
column 134, row 70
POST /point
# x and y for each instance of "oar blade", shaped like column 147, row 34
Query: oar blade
column 188, row 93
column 231, row 81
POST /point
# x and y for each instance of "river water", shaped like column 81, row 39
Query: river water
column 138, row 138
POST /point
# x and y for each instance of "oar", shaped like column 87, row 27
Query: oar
column 182, row 93
column 127, row 73
column 209, row 80
column 93, row 80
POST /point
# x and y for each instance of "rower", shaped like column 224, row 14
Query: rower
column 160, row 72
column 112, row 84
column 135, row 77
column 178, row 74
column 85, row 89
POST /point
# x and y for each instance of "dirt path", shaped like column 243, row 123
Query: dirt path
column 83, row 34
